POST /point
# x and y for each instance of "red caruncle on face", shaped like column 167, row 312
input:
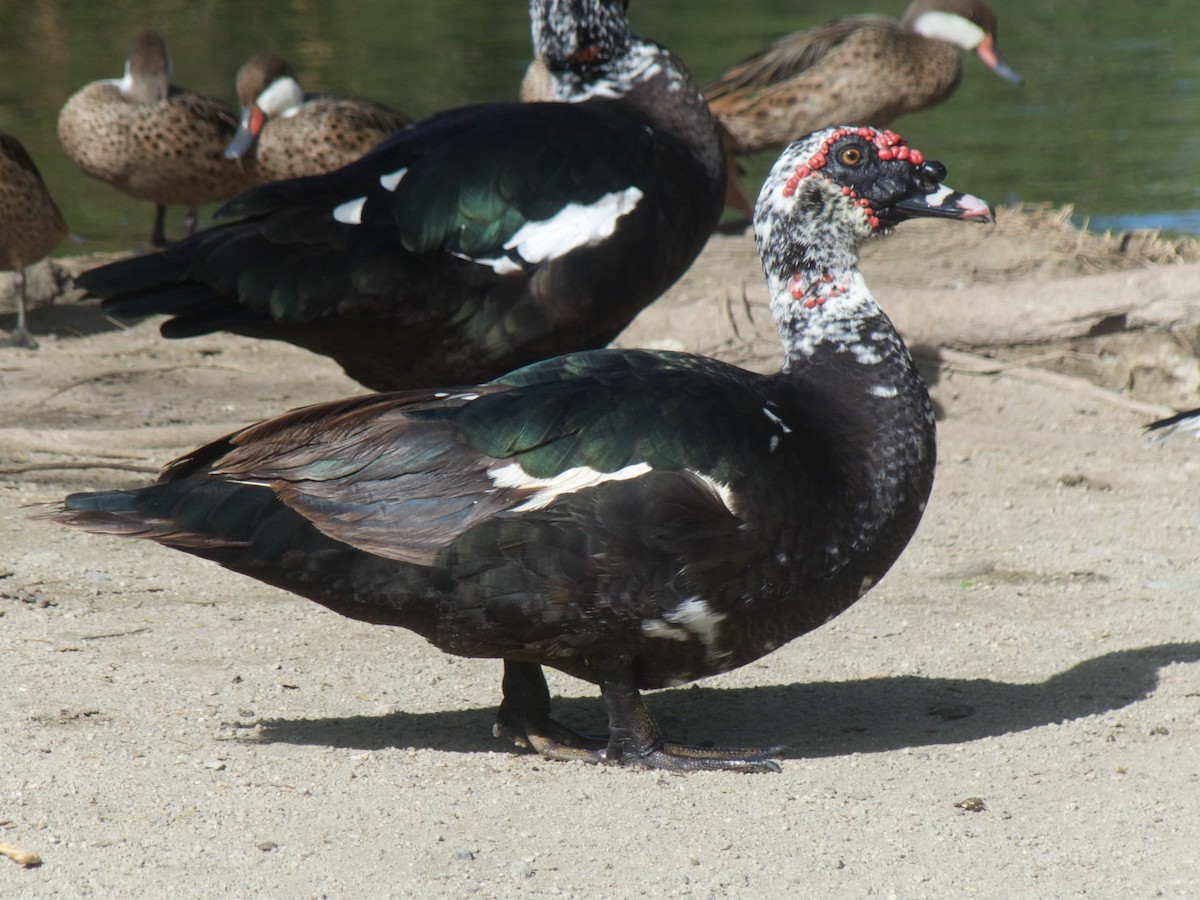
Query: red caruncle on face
column 888, row 146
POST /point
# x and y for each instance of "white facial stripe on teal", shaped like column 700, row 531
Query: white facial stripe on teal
column 944, row 26
column 282, row 96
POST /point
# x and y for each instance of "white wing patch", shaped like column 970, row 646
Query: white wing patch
column 392, row 180
column 573, row 226
column 350, row 212
column 693, row 617
column 657, row 628
column 568, row 481
column 778, row 421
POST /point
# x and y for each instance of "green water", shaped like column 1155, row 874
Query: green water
column 1108, row 118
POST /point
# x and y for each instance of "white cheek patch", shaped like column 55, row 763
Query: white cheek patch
column 391, row 181
column 573, row 226
column 944, row 26
column 350, row 212
column 282, row 97
column 124, row 84
column 569, row 481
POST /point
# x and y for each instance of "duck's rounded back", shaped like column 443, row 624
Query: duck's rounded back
column 866, row 68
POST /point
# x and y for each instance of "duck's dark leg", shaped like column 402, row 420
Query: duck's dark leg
column 20, row 336
column 634, row 739
column 158, row 237
column 524, row 718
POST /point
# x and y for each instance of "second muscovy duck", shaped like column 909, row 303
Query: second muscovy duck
column 1186, row 422
column 478, row 240
column 636, row 519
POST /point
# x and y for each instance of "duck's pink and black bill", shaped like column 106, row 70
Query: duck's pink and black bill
column 945, row 202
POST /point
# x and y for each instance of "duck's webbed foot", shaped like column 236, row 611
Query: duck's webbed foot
column 19, row 337
column 635, row 740
column 524, row 718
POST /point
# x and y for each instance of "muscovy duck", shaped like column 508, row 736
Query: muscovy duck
column 30, row 225
column 153, row 140
column 480, row 239
column 862, row 68
column 286, row 133
column 1182, row 423
column 636, row 519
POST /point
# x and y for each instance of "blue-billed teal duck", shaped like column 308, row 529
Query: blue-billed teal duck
column 858, row 68
column 636, row 519
column 30, row 225
column 289, row 134
column 480, row 239
column 152, row 140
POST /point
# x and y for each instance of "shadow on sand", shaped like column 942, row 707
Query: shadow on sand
column 811, row 720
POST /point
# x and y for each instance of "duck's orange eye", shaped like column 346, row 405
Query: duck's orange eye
column 851, row 156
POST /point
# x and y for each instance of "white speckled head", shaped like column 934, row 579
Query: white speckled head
column 576, row 34
column 833, row 188
column 827, row 193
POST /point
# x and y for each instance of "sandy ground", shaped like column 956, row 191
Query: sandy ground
column 1014, row 711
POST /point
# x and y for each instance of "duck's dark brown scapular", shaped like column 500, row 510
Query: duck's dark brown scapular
column 480, row 239
column 854, row 69
column 637, row 519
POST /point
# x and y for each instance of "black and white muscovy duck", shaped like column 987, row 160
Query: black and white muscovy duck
column 1186, row 422
column 637, row 519
column 483, row 238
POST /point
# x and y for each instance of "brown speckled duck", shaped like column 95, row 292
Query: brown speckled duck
column 30, row 225
column 864, row 68
column 152, row 140
column 290, row 134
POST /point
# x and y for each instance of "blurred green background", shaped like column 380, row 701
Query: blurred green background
column 1108, row 118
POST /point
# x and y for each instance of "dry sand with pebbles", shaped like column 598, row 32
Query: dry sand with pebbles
column 1014, row 711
